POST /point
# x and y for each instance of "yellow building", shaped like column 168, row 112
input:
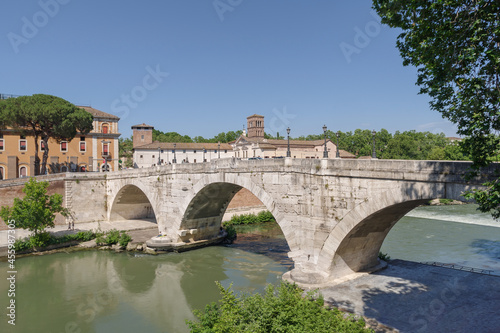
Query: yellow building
column 94, row 151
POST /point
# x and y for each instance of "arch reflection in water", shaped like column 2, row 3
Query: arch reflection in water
column 103, row 291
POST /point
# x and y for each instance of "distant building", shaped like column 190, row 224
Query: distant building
column 255, row 145
column 90, row 152
column 148, row 153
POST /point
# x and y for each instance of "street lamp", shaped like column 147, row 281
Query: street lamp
column 174, row 160
column 325, row 153
column 218, row 149
column 288, row 153
column 337, row 154
column 105, row 142
column 374, row 154
column 159, row 151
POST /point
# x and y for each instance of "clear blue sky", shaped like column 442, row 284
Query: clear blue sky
column 201, row 67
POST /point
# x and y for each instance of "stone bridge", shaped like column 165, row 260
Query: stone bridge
column 334, row 214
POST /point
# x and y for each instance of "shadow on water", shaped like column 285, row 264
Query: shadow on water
column 266, row 239
column 489, row 248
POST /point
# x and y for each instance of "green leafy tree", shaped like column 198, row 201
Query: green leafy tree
column 36, row 211
column 125, row 150
column 46, row 117
column 455, row 47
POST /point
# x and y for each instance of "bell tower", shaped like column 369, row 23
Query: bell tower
column 255, row 126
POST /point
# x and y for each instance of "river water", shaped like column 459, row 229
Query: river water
column 96, row 291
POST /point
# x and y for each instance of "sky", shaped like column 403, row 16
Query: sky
column 200, row 67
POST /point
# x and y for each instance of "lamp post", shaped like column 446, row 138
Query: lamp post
column 337, row 154
column 218, row 149
column 325, row 152
column 105, row 142
column 174, row 160
column 288, row 153
column 159, row 159
column 374, row 154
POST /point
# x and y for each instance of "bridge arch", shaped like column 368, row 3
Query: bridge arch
column 131, row 202
column 354, row 243
column 204, row 207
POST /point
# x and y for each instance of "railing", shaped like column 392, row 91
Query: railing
column 462, row 268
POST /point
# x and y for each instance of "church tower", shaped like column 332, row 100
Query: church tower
column 255, row 126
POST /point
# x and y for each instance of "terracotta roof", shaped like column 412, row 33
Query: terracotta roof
column 142, row 125
column 98, row 114
column 255, row 115
column 186, row 145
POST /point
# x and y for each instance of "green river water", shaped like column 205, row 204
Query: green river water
column 97, row 291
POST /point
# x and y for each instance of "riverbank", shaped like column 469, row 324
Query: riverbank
column 414, row 297
column 139, row 228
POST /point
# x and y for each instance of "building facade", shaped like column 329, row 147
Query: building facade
column 148, row 153
column 95, row 151
column 255, row 145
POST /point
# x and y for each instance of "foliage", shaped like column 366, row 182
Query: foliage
column 125, row 151
column 45, row 239
column 454, row 46
column 231, row 232
column 446, row 201
column 279, row 309
column 124, row 239
column 36, row 211
column 261, row 217
column 384, row 256
column 176, row 137
column 113, row 237
column 46, row 117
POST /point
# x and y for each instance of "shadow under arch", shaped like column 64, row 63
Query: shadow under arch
column 131, row 203
column 354, row 243
column 359, row 249
column 207, row 202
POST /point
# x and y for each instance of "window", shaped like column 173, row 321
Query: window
column 23, row 171
column 142, row 137
column 105, row 149
column 1, row 172
column 64, row 168
column 140, row 156
column 105, row 128
column 184, row 151
column 82, row 168
column 23, row 145
column 42, row 145
column 195, row 160
column 64, row 146
column 215, row 151
column 1, row 143
column 153, row 156
column 225, row 151
column 194, row 151
column 83, row 146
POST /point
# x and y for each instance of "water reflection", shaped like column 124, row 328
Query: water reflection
column 104, row 291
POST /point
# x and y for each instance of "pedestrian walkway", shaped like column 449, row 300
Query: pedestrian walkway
column 60, row 230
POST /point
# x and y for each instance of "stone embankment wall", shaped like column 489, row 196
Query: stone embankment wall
column 10, row 189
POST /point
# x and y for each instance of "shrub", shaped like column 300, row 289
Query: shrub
column 124, row 239
column 279, row 309
column 264, row 216
column 231, row 233
column 40, row 239
column 113, row 237
column 384, row 256
column 22, row 245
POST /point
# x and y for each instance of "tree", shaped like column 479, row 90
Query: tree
column 46, row 117
column 125, row 147
column 36, row 211
column 455, row 47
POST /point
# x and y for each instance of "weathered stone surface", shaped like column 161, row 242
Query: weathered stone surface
column 334, row 214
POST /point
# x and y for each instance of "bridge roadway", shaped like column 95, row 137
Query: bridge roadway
column 334, row 214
